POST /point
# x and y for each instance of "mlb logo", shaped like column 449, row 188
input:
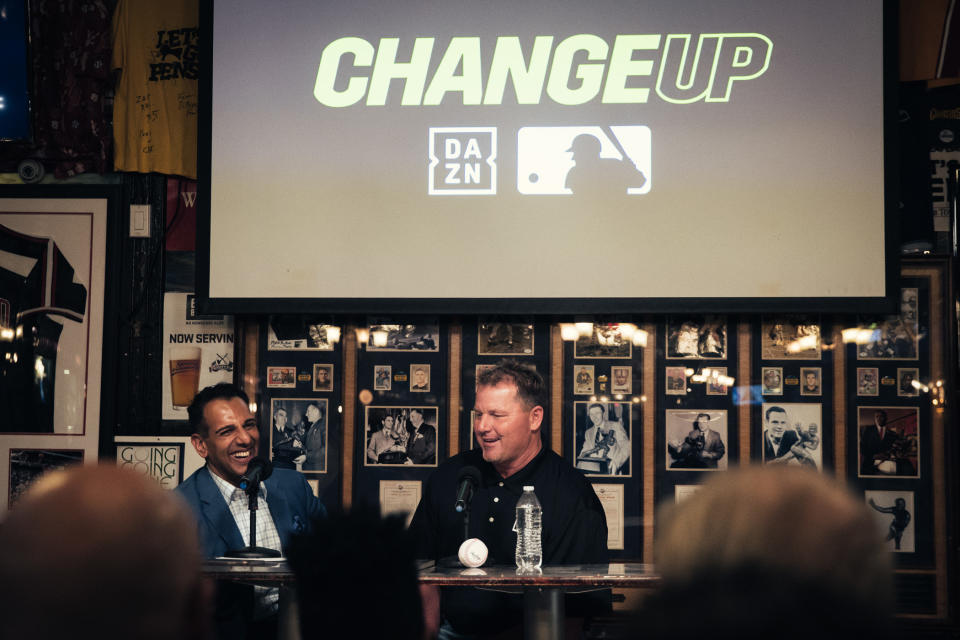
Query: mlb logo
column 462, row 161
column 608, row 160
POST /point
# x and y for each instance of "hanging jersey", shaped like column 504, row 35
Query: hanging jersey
column 156, row 48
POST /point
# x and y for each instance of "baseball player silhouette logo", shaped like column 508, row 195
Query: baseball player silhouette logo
column 584, row 160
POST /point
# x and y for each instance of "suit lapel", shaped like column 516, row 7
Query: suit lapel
column 215, row 510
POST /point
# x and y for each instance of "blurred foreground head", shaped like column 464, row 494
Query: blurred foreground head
column 357, row 578
column 97, row 552
column 770, row 552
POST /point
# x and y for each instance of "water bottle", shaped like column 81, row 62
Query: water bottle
column 529, row 554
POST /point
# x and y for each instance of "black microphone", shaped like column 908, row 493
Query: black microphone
column 467, row 482
column 258, row 470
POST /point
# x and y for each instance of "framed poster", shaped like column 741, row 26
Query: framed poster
column 53, row 255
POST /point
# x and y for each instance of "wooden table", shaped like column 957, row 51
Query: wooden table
column 543, row 591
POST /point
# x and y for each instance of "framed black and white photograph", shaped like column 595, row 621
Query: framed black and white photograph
column 792, row 434
column 300, row 333
column 621, row 380
column 676, row 381
column 888, row 439
column 604, row 341
column 892, row 337
column 583, row 379
column 602, row 438
column 771, row 381
column 382, row 375
column 811, row 381
column 323, row 377
column 385, row 336
column 696, row 440
column 397, row 436
column 419, row 378
column 298, row 434
column 908, row 382
column 505, row 338
column 697, row 338
column 717, row 381
column 895, row 515
column 281, row 377
column 27, row 465
column 791, row 337
column 868, row 381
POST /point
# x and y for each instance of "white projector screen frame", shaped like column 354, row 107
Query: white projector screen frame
column 434, row 157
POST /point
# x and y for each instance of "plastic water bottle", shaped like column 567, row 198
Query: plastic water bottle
column 528, row 525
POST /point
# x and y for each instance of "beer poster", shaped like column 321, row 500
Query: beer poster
column 197, row 352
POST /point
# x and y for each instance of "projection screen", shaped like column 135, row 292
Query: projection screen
column 544, row 155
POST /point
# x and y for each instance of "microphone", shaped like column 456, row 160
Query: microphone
column 467, row 482
column 258, row 470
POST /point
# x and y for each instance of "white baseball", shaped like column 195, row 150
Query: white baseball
column 473, row 553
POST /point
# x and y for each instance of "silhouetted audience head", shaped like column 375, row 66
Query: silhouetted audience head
column 770, row 553
column 357, row 578
column 99, row 552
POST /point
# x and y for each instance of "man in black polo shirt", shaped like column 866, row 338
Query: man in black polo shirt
column 509, row 410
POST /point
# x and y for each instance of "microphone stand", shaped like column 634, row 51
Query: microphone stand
column 252, row 550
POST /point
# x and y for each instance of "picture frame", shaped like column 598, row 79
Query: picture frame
column 790, row 337
column 602, row 438
column 382, row 377
column 896, row 518
column 868, row 381
column 696, row 440
column 906, row 377
column 505, row 338
column 893, row 337
column 26, row 466
column 395, row 437
column 621, row 380
column 892, row 451
column 419, row 378
column 714, row 386
column 771, row 381
column 387, row 336
column 606, row 340
column 64, row 230
column 676, row 381
column 323, row 377
column 811, row 381
column 281, row 377
column 791, row 434
column 300, row 440
column 700, row 337
column 583, row 380
column 300, row 333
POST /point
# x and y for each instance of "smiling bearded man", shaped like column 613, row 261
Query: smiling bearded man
column 226, row 435
column 509, row 454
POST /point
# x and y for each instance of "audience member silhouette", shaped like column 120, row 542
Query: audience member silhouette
column 100, row 552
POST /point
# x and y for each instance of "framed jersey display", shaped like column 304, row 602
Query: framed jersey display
column 53, row 246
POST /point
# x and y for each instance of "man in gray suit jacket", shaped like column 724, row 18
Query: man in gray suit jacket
column 226, row 434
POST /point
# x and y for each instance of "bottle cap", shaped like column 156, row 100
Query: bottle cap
column 528, row 487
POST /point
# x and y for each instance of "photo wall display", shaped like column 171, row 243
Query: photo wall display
column 603, row 393
column 400, row 432
column 792, row 391
column 301, row 392
column 697, row 428
column 889, row 421
column 487, row 340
